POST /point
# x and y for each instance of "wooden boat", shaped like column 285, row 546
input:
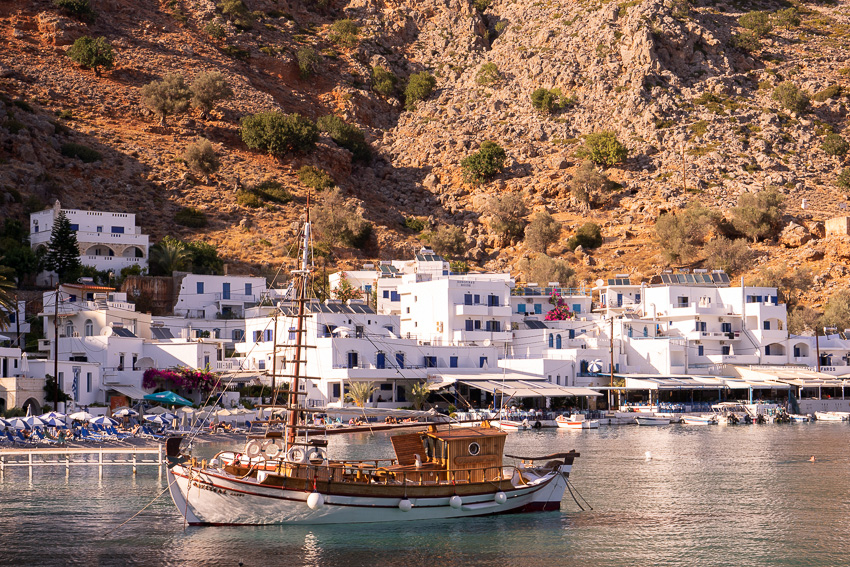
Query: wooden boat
column 576, row 421
column 699, row 420
column 652, row 420
column 281, row 478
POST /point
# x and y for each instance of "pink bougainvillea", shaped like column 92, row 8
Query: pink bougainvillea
column 180, row 378
column 560, row 311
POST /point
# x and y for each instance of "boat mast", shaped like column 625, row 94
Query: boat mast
column 303, row 274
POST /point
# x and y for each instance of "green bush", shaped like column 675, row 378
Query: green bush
column 167, row 97
column 209, row 88
column 449, row 241
column 92, row 53
column 588, row 236
column 835, row 145
column 731, row 256
column 271, row 190
column 341, row 224
column 79, row 8
column 542, row 232
column 843, row 179
column 315, row 178
column 215, row 30
column 546, row 269
column 681, row 234
column 482, row 5
column 746, row 41
column 603, row 148
column 279, row 133
column 788, row 18
column 415, row 224
column 483, row 164
column 756, row 22
column 344, row 32
column 419, row 87
column 383, row 81
column 200, row 156
column 507, row 212
column 238, row 12
column 829, row 92
column 501, row 26
column 248, row 199
column 193, row 218
column 346, row 136
column 83, row 153
column 791, row 97
column 235, row 52
column 308, row 61
column 758, row 215
column 487, row 74
column 549, row 100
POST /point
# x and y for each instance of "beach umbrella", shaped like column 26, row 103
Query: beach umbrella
column 187, row 410
column 160, row 419
column 223, row 412
column 158, row 410
column 34, row 421
column 25, row 364
column 125, row 412
column 53, row 414
column 168, row 397
column 4, row 423
column 55, row 422
column 81, row 416
column 103, row 420
column 595, row 366
column 19, row 423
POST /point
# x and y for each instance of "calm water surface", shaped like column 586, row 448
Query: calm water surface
column 739, row 496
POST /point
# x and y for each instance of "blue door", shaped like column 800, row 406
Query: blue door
column 381, row 361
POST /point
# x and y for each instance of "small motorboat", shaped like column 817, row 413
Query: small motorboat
column 514, row 425
column 652, row 420
column 799, row 418
column 832, row 415
column 576, row 421
column 699, row 420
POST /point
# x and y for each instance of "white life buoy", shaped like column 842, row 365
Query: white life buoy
column 271, row 449
column 253, row 449
column 297, row 455
column 316, row 454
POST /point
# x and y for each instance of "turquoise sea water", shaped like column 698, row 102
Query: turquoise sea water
column 739, row 496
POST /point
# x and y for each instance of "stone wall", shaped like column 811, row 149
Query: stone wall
column 838, row 226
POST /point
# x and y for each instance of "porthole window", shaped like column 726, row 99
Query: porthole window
column 474, row 448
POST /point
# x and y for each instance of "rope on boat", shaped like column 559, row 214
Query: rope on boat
column 116, row 528
column 570, row 487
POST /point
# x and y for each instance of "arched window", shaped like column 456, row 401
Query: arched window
column 89, row 328
column 69, row 329
column 216, row 333
column 558, row 342
column 551, row 341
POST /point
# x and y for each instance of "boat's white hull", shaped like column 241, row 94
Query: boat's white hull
column 799, row 418
column 510, row 425
column 832, row 416
column 698, row 420
column 647, row 420
column 215, row 498
column 585, row 424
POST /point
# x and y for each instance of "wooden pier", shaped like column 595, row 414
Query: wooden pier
column 82, row 456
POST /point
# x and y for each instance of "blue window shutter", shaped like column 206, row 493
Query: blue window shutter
column 453, row 362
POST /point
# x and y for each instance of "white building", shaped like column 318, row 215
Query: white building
column 98, row 328
column 18, row 326
column 223, row 297
column 107, row 241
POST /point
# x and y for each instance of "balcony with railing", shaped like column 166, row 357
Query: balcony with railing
column 236, row 297
column 482, row 310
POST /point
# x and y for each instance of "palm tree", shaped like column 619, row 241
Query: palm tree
column 7, row 301
column 169, row 255
column 419, row 392
column 359, row 393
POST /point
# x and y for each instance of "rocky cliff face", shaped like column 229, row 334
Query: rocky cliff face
column 696, row 114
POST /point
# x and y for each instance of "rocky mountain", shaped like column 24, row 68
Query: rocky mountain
column 686, row 89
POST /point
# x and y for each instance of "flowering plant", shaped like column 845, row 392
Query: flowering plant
column 560, row 311
column 182, row 377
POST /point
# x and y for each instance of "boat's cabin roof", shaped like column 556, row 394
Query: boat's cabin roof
column 470, row 433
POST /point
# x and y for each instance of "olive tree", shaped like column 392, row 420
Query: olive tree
column 208, row 89
column 542, row 232
column 167, row 97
